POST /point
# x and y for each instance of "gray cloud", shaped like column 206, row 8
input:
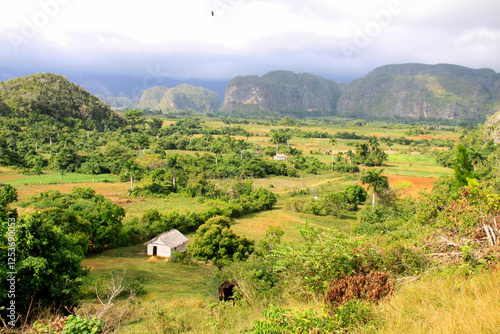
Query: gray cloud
column 463, row 33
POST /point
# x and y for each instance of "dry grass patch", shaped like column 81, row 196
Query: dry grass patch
column 443, row 303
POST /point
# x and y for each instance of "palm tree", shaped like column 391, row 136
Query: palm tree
column 38, row 171
column 278, row 137
column 373, row 142
column 143, row 142
column 132, row 170
column 333, row 142
column 476, row 157
column 174, row 164
column 350, row 155
column 376, row 181
column 217, row 150
column 389, row 144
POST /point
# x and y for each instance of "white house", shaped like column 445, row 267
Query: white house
column 280, row 156
column 165, row 243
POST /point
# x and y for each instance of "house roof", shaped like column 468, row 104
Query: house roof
column 172, row 238
column 281, row 155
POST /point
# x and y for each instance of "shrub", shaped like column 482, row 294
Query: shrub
column 80, row 325
column 373, row 287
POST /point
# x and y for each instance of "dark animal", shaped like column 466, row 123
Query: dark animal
column 213, row 14
column 226, row 291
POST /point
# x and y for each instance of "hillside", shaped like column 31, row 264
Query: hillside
column 418, row 91
column 182, row 97
column 281, row 91
column 117, row 102
column 53, row 96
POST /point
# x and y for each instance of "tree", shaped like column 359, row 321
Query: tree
column 155, row 125
column 38, row 171
column 132, row 170
column 215, row 241
column 376, row 181
column 355, row 195
column 91, row 167
column 476, row 157
column 174, row 165
column 143, row 142
column 462, row 166
column 373, row 143
column 217, row 150
column 8, row 195
column 133, row 117
column 49, row 274
column 333, row 142
column 280, row 136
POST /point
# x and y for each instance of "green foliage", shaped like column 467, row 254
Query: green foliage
column 376, row 181
column 8, row 195
column 51, row 96
column 91, row 220
column 321, row 256
column 347, row 317
column 355, row 194
column 462, row 166
column 215, row 241
column 133, row 117
column 77, row 324
column 48, row 272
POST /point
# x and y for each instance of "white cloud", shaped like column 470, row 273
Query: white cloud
column 247, row 36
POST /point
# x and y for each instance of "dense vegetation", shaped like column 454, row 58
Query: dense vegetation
column 324, row 279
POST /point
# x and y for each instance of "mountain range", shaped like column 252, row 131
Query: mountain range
column 400, row 92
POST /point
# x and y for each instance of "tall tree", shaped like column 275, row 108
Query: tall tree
column 217, row 150
column 376, row 182
column 132, row 170
column 174, row 165
column 133, row 117
column 462, row 166
column 280, row 136
column 333, row 142
column 476, row 157
column 373, row 143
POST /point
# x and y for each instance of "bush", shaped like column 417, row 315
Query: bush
column 80, row 325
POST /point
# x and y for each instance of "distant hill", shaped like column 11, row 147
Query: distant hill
column 418, row 91
column 182, row 97
column 118, row 102
column 51, row 95
column 281, row 91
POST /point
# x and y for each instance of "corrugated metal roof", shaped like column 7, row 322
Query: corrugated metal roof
column 172, row 239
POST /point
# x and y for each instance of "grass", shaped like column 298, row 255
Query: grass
column 445, row 303
column 52, row 177
column 183, row 280
column 180, row 298
column 174, row 202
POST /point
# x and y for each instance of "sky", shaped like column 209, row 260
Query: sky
column 181, row 39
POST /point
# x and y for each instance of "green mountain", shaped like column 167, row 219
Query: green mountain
column 281, row 91
column 418, row 91
column 49, row 95
column 182, row 97
column 119, row 102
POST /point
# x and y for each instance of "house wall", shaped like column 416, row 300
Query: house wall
column 161, row 250
column 164, row 250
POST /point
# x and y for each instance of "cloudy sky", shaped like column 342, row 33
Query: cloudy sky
column 340, row 40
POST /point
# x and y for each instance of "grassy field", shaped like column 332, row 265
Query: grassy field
column 181, row 298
